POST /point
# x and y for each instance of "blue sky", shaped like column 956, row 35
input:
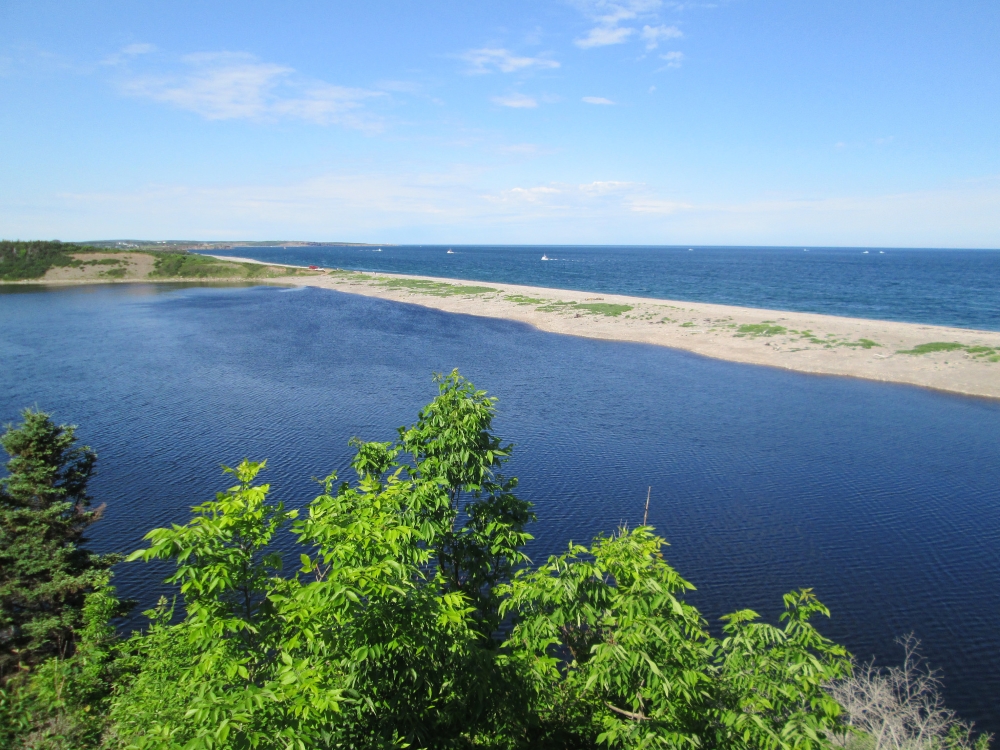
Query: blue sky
column 585, row 121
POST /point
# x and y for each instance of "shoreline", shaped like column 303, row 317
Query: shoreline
column 812, row 343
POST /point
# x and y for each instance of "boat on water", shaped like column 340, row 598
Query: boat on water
column 865, row 252
column 450, row 251
column 545, row 257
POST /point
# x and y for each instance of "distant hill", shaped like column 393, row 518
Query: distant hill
column 124, row 261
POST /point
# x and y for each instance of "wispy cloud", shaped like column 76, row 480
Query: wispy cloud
column 673, row 59
column 596, row 100
column 127, row 53
column 602, row 36
column 607, row 187
column 609, row 16
column 517, row 101
column 490, row 59
column 228, row 86
column 653, row 35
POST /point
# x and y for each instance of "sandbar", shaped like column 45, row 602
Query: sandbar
column 956, row 360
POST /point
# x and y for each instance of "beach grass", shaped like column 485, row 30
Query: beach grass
column 989, row 353
column 435, row 288
column 603, row 308
column 767, row 328
column 521, row 299
column 192, row 266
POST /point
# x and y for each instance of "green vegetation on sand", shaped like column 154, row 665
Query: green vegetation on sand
column 979, row 352
column 753, row 330
column 435, row 288
column 602, row 308
column 192, row 266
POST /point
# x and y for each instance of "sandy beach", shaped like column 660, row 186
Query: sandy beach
column 957, row 360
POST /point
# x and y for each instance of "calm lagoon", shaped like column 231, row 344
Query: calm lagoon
column 885, row 499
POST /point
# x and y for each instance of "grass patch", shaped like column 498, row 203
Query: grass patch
column 115, row 273
column 520, row 299
column 603, row 308
column 688, row 324
column 187, row 266
column 934, row 346
column 594, row 308
column 862, row 343
column 555, row 306
column 192, row 266
column 989, row 353
column 767, row 328
column 434, row 288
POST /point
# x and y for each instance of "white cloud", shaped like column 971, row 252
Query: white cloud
column 529, row 195
column 653, row 35
column 605, row 187
column 609, row 15
column 138, row 49
column 597, row 100
column 517, row 101
column 227, row 86
column 488, row 59
column 128, row 52
column 673, row 59
column 602, row 36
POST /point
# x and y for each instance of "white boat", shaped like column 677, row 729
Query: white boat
column 450, row 251
column 865, row 252
column 545, row 257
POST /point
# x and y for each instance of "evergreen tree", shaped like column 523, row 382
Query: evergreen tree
column 45, row 572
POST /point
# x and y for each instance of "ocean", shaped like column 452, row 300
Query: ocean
column 937, row 287
column 883, row 498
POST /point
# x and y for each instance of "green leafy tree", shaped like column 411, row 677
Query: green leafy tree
column 479, row 542
column 45, row 572
column 376, row 640
column 615, row 655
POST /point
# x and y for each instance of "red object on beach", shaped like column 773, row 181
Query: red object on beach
column 313, row 268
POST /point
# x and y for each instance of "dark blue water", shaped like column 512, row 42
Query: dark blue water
column 885, row 499
column 937, row 287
